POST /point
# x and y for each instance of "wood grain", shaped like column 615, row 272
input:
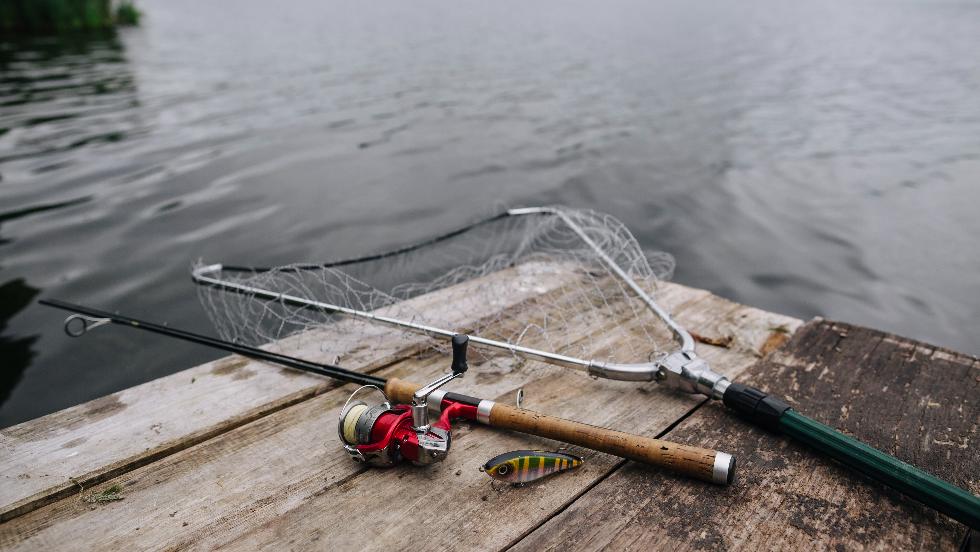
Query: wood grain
column 48, row 458
column 909, row 399
column 282, row 481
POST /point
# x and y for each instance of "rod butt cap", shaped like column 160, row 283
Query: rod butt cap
column 723, row 472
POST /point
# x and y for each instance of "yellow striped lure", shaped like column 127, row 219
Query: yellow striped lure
column 523, row 466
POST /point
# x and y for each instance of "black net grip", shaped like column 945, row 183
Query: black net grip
column 756, row 406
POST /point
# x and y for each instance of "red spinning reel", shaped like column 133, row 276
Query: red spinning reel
column 383, row 434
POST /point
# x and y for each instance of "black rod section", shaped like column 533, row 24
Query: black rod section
column 328, row 370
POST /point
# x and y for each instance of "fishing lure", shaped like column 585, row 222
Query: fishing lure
column 523, row 466
column 619, row 272
column 400, row 429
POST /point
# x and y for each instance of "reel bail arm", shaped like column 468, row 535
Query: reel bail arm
column 425, row 444
column 420, row 406
column 384, row 434
column 708, row 465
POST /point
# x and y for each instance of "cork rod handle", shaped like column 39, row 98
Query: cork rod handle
column 692, row 461
column 705, row 464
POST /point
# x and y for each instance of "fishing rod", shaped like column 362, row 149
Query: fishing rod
column 398, row 428
column 681, row 369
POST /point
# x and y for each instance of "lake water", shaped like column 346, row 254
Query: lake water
column 811, row 158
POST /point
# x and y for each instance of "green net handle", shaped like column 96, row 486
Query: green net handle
column 930, row 490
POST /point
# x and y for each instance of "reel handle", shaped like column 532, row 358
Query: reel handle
column 705, row 464
column 460, row 341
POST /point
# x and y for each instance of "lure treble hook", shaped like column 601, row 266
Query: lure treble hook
column 87, row 323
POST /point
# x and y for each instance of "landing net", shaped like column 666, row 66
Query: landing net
column 525, row 278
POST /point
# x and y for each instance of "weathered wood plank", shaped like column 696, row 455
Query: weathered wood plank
column 282, row 481
column 103, row 438
column 917, row 402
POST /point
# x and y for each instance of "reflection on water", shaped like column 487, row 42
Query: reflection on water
column 809, row 158
column 49, row 85
column 16, row 352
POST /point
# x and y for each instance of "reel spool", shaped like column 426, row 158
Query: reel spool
column 382, row 434
column 357, row 422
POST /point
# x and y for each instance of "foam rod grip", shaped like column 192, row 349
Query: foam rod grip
column 705, row 464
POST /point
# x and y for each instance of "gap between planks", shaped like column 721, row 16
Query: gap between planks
column 46, row 459
column 619, row 465
column 799, row 499
column 697, row 307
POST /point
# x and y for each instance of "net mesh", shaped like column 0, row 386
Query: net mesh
column 527, row 280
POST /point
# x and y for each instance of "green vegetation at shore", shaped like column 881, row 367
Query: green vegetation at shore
column 127, row 14
column 65, row 15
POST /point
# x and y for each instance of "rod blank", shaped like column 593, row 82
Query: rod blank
column 328, row 370
column 704, row 464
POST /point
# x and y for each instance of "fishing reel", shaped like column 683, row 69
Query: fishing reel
column 384, row 434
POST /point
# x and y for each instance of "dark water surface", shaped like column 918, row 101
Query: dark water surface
column 811, row 158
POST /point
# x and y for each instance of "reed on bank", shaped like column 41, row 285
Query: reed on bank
column 65, row 15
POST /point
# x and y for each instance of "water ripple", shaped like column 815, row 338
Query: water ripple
column 810, row 158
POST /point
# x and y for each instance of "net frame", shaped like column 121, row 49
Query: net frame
column 261, row 304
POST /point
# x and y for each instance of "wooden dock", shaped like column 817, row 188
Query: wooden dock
column 242, row 455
